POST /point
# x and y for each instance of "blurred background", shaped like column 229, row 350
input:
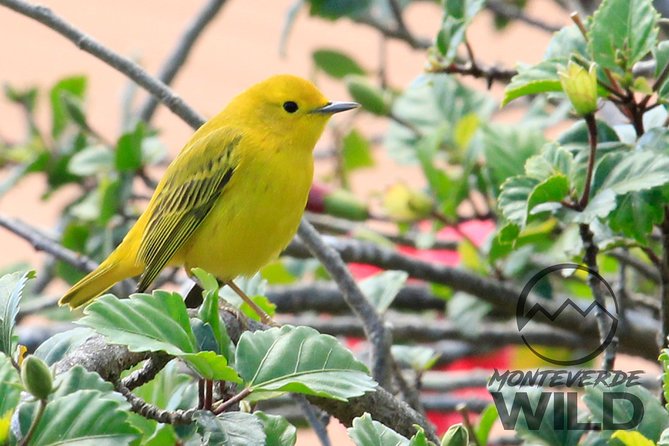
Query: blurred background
column 246, row 42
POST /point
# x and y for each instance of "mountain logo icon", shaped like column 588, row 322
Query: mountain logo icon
column 551, row 312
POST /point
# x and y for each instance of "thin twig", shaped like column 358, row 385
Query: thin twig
column 664, row 282
column 178, row 57
column 86, row 43
column 489, row 73
column 310, row 413
column 375, row 330
column 394, row 33
column 147, row 410
column 590, row 259
column 510, row 11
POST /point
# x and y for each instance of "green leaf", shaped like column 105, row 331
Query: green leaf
column 566, row 43
column 622, row 32
column 553, row 160
column 335, row 63
column 10, row 386
column 636, row 214
column 653, row 421
column 553, row 189
column 92, row 160
column 637, row 171
column 157, row 322
column 78, row 378
column 129, row 150
column 209, row 365
column 145, row 322
column 664, row 361
column 356, row 151
column 334, row 9
column 664, row 438
column 534, row 79
column 599, row 207
column 278, row 430
column 90, row 417
column 506, row 148
column 661, row 54
column 458, row 14
column 368, row 432
column 230, row 429
column 300, row 360
column 74, row 86
column 431, row 104
column 11, row 289
column 467, row 312
column 513, row 198
column 630, row 438
column 208, row 311
column 418, row 357
column 381, row 289
column 485, row 424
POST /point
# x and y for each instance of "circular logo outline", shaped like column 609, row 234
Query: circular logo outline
column 522, row 299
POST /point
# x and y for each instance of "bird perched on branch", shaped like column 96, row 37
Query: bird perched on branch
column 232, row 199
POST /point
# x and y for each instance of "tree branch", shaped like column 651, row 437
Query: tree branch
column 176, row 60
column 373, row 324
column 86, row 43
column 640, row 333
column 509, row 11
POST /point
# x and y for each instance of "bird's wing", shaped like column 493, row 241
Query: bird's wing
column 192, row 185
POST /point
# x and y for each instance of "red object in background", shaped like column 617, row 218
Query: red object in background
column 477, row 231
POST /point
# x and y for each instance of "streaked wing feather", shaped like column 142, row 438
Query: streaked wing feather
column 184, row 202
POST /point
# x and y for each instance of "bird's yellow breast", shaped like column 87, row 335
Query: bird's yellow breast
column 258, row 212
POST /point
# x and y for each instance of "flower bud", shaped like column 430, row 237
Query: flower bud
column 580, row 86
column 456, row 435
column 406, row 205
column 342, row 203
column 36, row 377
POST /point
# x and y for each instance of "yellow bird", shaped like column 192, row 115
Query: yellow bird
column 232, row 199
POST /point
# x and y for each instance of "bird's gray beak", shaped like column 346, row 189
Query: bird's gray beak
column 335, row 107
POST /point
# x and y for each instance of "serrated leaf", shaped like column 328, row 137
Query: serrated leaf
column 637, row 171
column 230, row 429
column 599, row 207
column 92, row 160
column 278, row 430
column 145, row 322
column 429, row 104
column 368, row 432
column 11, row 289
column 10, row 386
column 553, row 160
column 653, row 416
column 506, row 148
column 356, row 151
column 381, row 289
column 78, row 378
column 157, row 322
column 335, row 63
column 300, row 360
column 209, row 365
column 636, row 213
column 513, row 198
column 552, row 189
column 534, row 79
column 565, row 43
column 622, row 32
column 89, row 417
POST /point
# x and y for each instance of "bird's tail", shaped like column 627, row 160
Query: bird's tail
column 111, row 271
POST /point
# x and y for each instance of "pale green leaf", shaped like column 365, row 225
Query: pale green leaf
column 230, row 429
column 300, row 360
column 381, row 289
column 11, row 289
column 278, row 430
column 368, row 432
column 335, row 63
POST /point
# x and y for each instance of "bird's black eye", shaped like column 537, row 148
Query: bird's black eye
column 290, row 106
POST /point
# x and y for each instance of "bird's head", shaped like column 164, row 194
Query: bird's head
column 287, row 106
